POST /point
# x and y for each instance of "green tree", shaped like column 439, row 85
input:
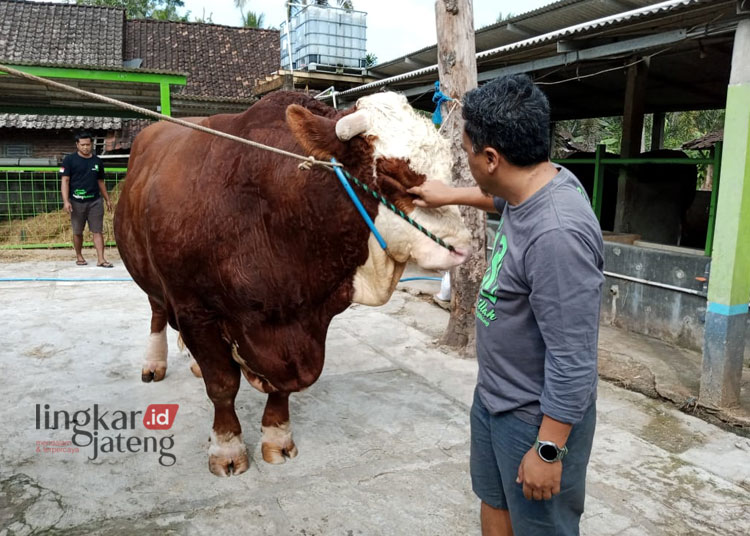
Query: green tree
column 253, row 20
column 679, row 127
column 370, row 59
column 144, row 9
column 203, row 18
column 501, row 17
column 250, row 19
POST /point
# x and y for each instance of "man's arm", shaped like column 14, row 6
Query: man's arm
column 103, row 186
column 105, row 195
column 565, row 276
column 432, row 194
column 65, row 192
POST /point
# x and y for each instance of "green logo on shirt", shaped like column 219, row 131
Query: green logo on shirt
column 489, row 282
column 499, row 249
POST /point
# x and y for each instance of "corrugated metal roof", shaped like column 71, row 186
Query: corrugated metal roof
column 554, row 16
column 590, row 8
column 610, row 20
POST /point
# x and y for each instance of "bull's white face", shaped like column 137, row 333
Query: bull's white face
column 398, row 132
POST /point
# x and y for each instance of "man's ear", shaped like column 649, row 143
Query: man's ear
column 316, row 134
column 492, row 159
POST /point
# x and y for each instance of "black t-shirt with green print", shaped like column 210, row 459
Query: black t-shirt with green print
column 538, row 306
column 84, row 175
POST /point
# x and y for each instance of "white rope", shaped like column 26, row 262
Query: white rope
column 456, row 104
column 307, row 162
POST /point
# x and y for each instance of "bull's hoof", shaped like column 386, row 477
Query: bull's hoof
column 227, row 457
column 278, row 455
column 228, row 466
column 277, row 444
column 195, row 369
column 156, row 374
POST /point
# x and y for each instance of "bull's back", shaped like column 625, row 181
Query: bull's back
column 154, row 161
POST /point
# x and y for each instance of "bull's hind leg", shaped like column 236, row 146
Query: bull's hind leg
column 227, row 453
column 277, row 443
column 194, row 368
column 155, row 365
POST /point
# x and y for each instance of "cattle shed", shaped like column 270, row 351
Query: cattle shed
column 629, row 58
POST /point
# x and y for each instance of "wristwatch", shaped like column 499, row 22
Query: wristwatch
column 549, row 451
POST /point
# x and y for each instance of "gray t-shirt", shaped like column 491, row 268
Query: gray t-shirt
column 538, row 307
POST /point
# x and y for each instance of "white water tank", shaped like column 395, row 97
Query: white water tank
column 325, row 36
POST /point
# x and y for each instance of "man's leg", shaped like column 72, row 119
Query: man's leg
column 96, row 226
column 78, row 246
column 485, row 475
column 560, row 515
column 99, row 246
column 495, row 522
column 77, row 222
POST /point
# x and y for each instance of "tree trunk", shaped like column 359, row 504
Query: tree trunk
column 458, row 74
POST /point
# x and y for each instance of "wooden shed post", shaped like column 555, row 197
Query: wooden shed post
column 632, row 132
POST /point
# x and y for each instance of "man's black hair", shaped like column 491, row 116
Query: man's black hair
column 511, row 115
column 83, row 135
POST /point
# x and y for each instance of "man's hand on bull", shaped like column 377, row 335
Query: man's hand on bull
column 433, row 194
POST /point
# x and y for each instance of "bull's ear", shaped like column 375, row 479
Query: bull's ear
column 316, row 134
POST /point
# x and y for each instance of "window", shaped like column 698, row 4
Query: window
column 98, row 143
column 16, row 150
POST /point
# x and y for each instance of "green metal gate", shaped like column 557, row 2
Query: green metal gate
column 31, row 208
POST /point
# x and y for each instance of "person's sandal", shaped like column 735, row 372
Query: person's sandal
column 106, row 264
column 81, row 263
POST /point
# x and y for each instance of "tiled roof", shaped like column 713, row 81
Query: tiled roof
column 55, row 34
column 705, row 142
column 221, row 61
column 55, row 122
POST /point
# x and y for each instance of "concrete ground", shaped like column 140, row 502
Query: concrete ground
column 383, row 436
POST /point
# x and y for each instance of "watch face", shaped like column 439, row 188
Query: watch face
column 547, row 452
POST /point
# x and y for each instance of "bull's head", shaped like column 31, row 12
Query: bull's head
column 404, row 150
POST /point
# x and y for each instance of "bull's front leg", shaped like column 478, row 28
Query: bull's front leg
column 155, row 364
column 227, row 453
column 277, row 443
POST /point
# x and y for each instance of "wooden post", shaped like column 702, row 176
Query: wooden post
column 657, row 131
column 632, row 132
column 457, row 67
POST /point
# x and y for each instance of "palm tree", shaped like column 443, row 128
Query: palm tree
column 253, row 20
column 250, row 19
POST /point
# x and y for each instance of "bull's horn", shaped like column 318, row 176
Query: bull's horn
column 353, row 124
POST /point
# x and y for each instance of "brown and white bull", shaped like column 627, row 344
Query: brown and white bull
column 250, row 257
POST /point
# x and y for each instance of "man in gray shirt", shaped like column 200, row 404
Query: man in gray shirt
column 534, row 408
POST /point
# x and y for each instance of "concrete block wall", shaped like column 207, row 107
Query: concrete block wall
column 666, row 314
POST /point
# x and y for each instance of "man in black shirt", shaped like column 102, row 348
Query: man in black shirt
column 82, row 192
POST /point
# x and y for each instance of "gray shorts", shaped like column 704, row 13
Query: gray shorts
column 499, row 442
column 92, row 212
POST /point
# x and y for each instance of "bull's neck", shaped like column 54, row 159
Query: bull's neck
column 375, row 281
